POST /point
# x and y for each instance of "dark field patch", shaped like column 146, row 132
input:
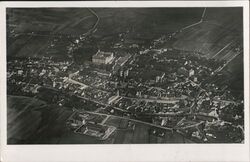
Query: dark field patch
column 47, row 19
column 31, row 121
column 141, row 134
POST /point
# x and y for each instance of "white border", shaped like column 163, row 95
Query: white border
column 121, row 153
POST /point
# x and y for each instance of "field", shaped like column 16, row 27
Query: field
column 142, row 133
column 44, row 23
column 23, row 116
column 140, row 23
column 66, row 20
column 235, row 72
column 31, row 121
column 216, row 37
column 29, row 46
column 215, row 32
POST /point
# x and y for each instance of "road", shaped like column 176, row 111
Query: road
column 190, row 126
column 69, row 80
column 221, row 68
column 107, row 117
column 203, row 14
column 226, row 101
column 100, row 103
column 96, row 23
column 172, row 100
column 222, row 49
column 199, row 22
column 134, row 120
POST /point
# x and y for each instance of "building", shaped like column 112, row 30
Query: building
column 102, row 57
column 191, row 72
column 20, row 72
column 195, row 79
column 138, row 93
column 126, row 73
column 121, row 73
column 159, row 78
column 114, row 98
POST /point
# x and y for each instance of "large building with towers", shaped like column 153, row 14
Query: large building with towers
column 102, row 57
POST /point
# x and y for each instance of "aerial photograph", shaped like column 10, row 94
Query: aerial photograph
column 125, row 75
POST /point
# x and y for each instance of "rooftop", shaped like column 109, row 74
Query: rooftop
column 102, row 54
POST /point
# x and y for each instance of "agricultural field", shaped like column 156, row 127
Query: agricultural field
column 216, row 37
column 28, row 46
column 217, row 31
column 23, row 117
column 235, row 72
column 64, row 20
column 141, row 133
column 33, row 121
column 142, row 23
column 30, row 31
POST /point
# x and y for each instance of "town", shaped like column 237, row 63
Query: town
column 174, row 91
column 163, row 86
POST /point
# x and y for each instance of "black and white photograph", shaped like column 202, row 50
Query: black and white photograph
column 125, row 75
